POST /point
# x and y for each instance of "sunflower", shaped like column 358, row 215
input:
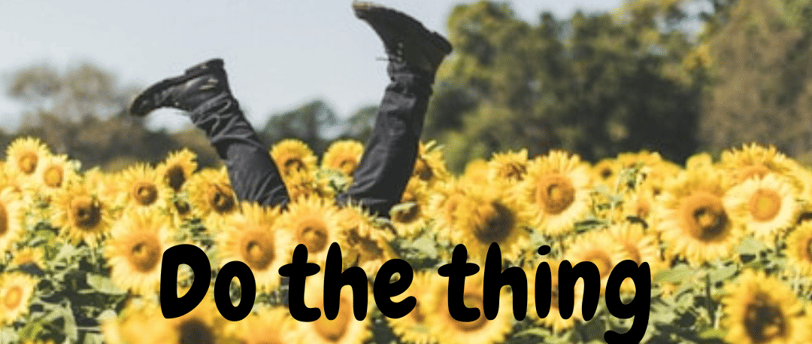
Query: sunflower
column 343, row 155
column 489, row 215
column 24, row 156
column 292, row 156
column 442, row 208
column 553, row 319
column 639, row 206
column 142, row 188
column 55, row 172
column 652, row 170
column 641, row 158
column 606, row 171
column 142, row 322
column 305, row 185
column 12, row 215
column 251, row 236
column 693, row 220
column 211, row 196
column 636, row 245
column 81, row 215
column 476, row 173
column 757, row 161
column 138, row 323
column 344, row 329
column 766, row 205
column 267, row 326
column 29, row 256
column 699, row 160
column 363, row 242
column 203, row 325
column 312, row 222
column 556, row 190
column 106, row 186
column 409, row 217
column 414, row 328
column 16, row 291
column 448, row 330
column 510, row 166
column 135, row 251
column 760, row 309
column 799, row 248
column 177, row 168
column 429, row 165
column 599, row 248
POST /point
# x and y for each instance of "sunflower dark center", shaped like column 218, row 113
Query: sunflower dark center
column 602, row 260
column 764, row 321
column 495, row 223
column 258, row 253
column 422, row 170
column 472, row 301
column 53, row 176
column 313, row 234
column 195, row 331
column 145, row 193
column 145, row 254
column 4, row 220
column 347, row 165
column 704, row 217
column 514, row 171
column 335, row 329
column 408, row 215
column 175, row 177
column 86, row 212
column 28, row 162
column 765, row 205
column 221, row 199
column 606, row 173
column 182, row 207
column 412, row 213
column 294, row 165
column 370, row 248
column 555, row 193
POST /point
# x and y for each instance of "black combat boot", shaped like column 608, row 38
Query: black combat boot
column 405, row 39
column 414, row 55
column 196, row 86
column 203, row 92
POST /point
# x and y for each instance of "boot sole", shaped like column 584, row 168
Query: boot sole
column 148, row 99
column 364, row 9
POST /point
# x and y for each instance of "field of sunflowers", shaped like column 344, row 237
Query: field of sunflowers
column 728, row 240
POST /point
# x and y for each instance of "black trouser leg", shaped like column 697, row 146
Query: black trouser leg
column 390, row 153
column 254, row 176
column 385, row 167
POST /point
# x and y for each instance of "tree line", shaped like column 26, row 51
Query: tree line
column 674, row 76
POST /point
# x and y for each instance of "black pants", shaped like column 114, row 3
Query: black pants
column 385, row 167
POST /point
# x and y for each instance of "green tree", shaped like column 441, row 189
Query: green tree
column 82, row 113
column 762, row 78
column 595, row 84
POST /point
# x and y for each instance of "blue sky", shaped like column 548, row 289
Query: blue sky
column 279, row 54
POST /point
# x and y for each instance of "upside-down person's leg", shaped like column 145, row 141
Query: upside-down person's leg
column 203, row 91
column 414, row 54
